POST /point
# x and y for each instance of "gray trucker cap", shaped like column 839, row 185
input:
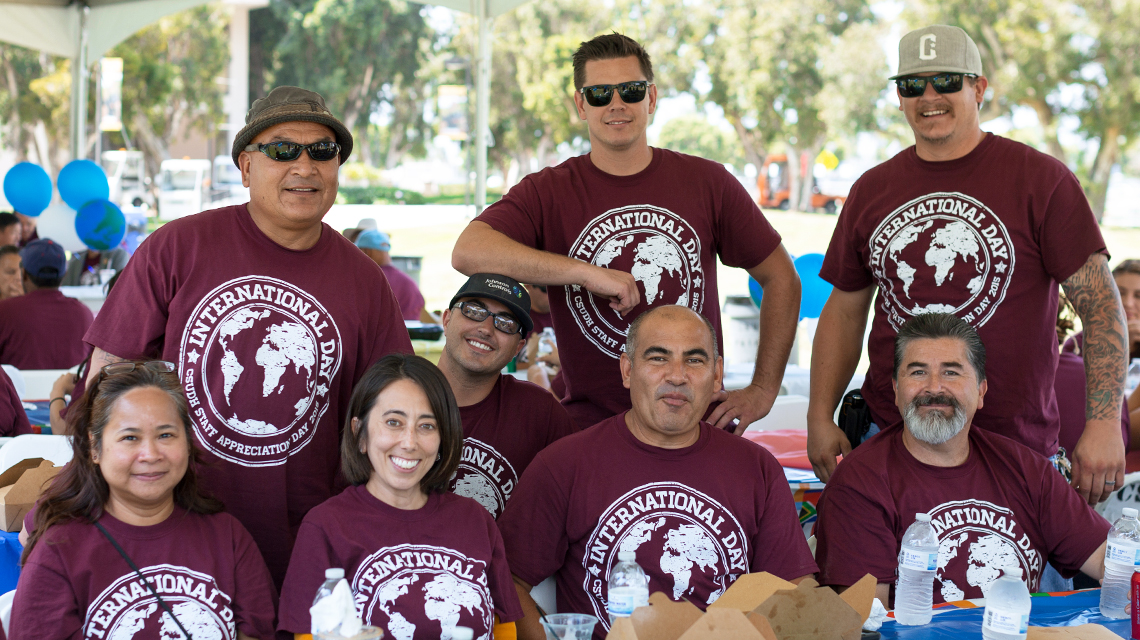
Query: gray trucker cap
column 938, row 48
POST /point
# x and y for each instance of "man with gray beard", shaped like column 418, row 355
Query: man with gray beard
column 993, row 501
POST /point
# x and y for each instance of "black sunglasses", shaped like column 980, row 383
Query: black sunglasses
column 600, row 95
column 290, row 151
column 914, row 86
column 503, row 322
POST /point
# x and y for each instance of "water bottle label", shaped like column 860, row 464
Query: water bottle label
column 918, row 560
column 1000, row 621
column 1122, row 554
column 624, row 600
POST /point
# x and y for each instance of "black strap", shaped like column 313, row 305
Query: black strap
column 161, row 602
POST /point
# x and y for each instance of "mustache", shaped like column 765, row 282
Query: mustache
column 938, row 398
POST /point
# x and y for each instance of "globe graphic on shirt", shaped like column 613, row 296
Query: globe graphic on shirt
column 445, row 600
column 148, row 620
column 261, row 370
column 937, row 251
column 684, row 551
column 654, row 260
column 985, row 555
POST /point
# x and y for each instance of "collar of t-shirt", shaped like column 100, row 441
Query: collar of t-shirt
column 407, row 515
column 245, row 221
column 923, row 470
column 951, row 165
column 122, row 531
column 618, row 424
column 624, row 181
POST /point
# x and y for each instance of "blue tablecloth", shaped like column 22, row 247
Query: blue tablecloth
column 1048, row 611
column 38, row 414
column 10, row 550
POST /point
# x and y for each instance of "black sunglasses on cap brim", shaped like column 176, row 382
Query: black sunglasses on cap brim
column 915, row 86
column 289, row 151
column 600, row 95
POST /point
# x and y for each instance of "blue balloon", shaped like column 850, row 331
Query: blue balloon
column 28, row 188
column 755, row 291
column 101, row 225
column 82, row 181
column 814, row 290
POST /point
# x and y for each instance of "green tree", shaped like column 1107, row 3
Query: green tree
column 695, row 135
column 34, row 106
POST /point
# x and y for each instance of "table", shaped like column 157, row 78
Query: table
column 963, row 620
column 10, row 550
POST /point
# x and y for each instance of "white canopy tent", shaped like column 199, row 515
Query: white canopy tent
column 82, row 30
column 484, row 12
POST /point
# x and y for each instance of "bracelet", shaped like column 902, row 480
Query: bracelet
column 59, row 398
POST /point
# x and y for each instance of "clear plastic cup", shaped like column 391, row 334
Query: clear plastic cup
column 569, row 626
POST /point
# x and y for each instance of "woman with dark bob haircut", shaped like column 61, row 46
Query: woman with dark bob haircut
column 123, row 543
column 420, row 561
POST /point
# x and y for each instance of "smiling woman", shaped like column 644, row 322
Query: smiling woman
column 420, row 560
column 131, row 491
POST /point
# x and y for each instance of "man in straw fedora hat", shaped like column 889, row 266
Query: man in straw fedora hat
column 239, row 299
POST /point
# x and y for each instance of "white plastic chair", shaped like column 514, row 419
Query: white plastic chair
column 788, row 412
column 17, row 380
column 39, row 382
column 6, row 609
column 544, row 595
column 54, row 448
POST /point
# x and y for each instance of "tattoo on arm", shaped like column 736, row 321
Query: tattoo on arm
column 100, row 359
column 1093, row 293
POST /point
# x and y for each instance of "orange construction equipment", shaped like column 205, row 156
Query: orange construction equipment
column 773, row 183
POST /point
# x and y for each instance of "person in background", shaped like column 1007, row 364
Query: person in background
column 28, row 231
column 993, row 501
column 43, row 329
column 420, row 560
column 13, row 417
column 506, row 422
column 10, row 229
column 627, row 228
column 11, row 273
column 656, row 480
column 84, row 266
column 377, row 245
column 239, row 298
column 130, row 498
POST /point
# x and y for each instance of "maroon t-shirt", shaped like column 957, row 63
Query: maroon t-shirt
column 13, row 418
column 667, row 225
column 206, row 568
column 414, row 573
column 501, row 435
column 1070, row 387
column 406, row 292
column 1005, row 506
column 43, row 329
column 540, row 320
column 269, row 343
column 987, row 237
column 698, row 517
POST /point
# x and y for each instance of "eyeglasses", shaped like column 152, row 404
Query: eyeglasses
column 600, row 95
column 115, row 368
column 504, row 322
column 289, row 151
column 914, row 86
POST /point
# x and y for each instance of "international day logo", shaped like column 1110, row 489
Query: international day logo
column 975, row 540
column 942, row 252
column 484, row 475
column 662, row 252
column 128, row 609
column 257, row 360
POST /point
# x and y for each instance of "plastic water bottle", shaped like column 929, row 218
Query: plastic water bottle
column 918, row 559
column 1121, row 559
column 462, row 633
column 1007, row 607
column 332, row 576
column 628, row 588
column 1133, row 376
column 546, row 342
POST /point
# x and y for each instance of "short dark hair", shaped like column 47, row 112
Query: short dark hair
column 356, row 466
column 1131, row 265
column 610, row 46
column 941, row 325
column 9, row 249
column 46, row 283
column 7, row 219
column 635, row 328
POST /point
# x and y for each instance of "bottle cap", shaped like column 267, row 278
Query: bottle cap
column 334, row 574
column 462, row 633
column 922, row 517
column 1013, row 572
column 1128, row 512
column 627, row 556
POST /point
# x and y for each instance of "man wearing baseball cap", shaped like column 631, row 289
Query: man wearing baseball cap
column 378, row 246
column 43, row 329
column 506, row 421
column 983, row 227
column 238, row 299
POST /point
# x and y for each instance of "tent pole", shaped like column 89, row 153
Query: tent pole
column 482, row 104
column 79, row 92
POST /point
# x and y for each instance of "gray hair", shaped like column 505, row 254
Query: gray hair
column 635, row 327
column 932, row 326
